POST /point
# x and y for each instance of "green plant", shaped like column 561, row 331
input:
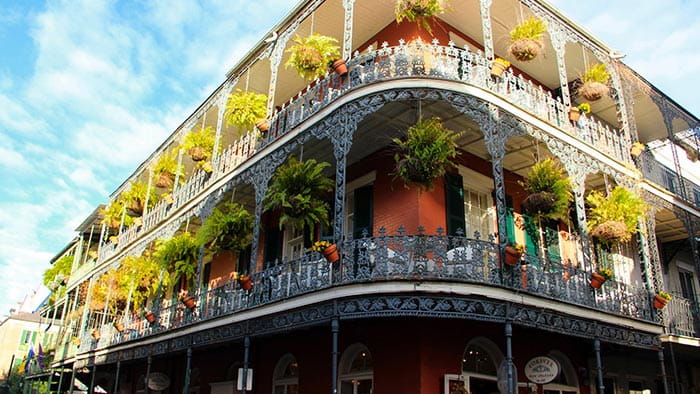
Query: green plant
column 298, row 189
column 166, row 168
column 310, row 55
column 229, row 227
column 597, row 73
column 59, row 271
column 200, row 144
column 549, row 191
column 605, row 273
column 244, row 109
column 419, row 11
column 526, row 39
column 425, row 152
column 135, row 198
column 139, row 276
column 613, row 219
column 664, row 295
column 107, row 292
column 177, row 258
column 584, row 107
column 113, row 213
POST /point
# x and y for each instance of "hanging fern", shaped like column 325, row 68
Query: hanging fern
column 229, row 227
column 550, row 191
column 613, row 219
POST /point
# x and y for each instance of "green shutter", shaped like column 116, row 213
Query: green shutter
column 363, row 211
column 454, row 204
column 551, row 236
column 531, row 235
column 510, row 219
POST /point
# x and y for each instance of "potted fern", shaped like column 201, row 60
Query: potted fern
column 310, row 55
column 419, row 11
column 425, row 152
column 298, row 191
column 200, row 144
column 228, row 228
column 595, row 81
column 549, row 191
column 113, row 213
column 613, row 219
column 247, row 109
column 165, row 170
column 575, row 112
column 526, row 39
column 135, row 198
column 177, row 258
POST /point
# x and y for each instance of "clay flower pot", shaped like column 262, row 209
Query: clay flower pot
column 96, row 334
column 263, row 125
column 512, row 256
column 119, row 326
column 189, row 302
column 340, row 67
column 497, row 69
column 574, row 114
column 597, row 280
column 245, row 282
column 150, row 317
column 331, row 253
column 659, row 302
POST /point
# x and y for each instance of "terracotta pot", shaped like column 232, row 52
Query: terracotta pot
column 189, row 302
column 196, row 153
column 96, row 334
column 263, row 125
column 512, row 256
column 150, row 317
column 340, row 67
column 245, row 282
column 659, row 302
column 119, row 326
column 636, row 150
column 331, row 253
column 497, row 69
column 574, row 114
column 597, row 280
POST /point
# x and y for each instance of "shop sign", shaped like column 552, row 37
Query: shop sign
column 541, row 370
column 158, row 381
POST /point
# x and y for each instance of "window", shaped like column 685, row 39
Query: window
column 479, row 211
column 293, row 243
column 359, row 202
column 356, row 370
column 567, row 380
column 480, row 366
column 686, row 280
column 286, row 376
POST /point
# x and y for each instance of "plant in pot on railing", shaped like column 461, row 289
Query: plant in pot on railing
column 419, row 11
column 135, row 198
column 165, row 170
column 575, row 112
column 311, row 55
column 425, row 153
column 327, row 249
column 298, row 191
column 661, row 299
column 244, row 280
column 177, row 257
column 600, row 276
column 612, row 219
column 247, row 109
column 199, row 145
column 595, row 81
column 526, row 39
column 499, row 66
column 514, row 253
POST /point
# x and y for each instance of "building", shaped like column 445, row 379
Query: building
column 423, row 298
column 20, row 332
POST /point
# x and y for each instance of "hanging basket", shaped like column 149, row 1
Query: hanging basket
column 539, row 203
column 574, row 114
column 340, row 67
column 196, row 153
column 135, row 208
column 512, row 256
column 612, row 231
column 331, row 253
column 526, row 49
column 245, row 282
column 593, row 91
column 597, row 280
column 165, row 180
column 189, row 302
column 114, row 223
column 659, row 302
column 119, row 326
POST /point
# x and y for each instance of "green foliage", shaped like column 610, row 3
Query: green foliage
column 229, row 227
column 135, row 197
column 106, row 291
column 244, row 109
column 425, row 152
column 177, row 257
column 310, row 55
column 621, row 205
column 419, row 11
column 298, row 189
column 139, row 275
column 598, row 73
column 112, row 215
column 547, row 176
column 167, row 164
column 60, row 269
column 204, row 139
column 531, row 28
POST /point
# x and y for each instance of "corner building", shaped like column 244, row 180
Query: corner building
column 420, row 300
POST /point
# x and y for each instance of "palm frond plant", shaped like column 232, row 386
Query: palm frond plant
column 113, row 213
column 246, row 109
column 298, row 190
column 526, row 39
column 613, row 219
column 199, row 144
column 425, row 152
column 595, row 81
column 419, row 11
column 177, row 258
column 139, row 277
column 135, row 198
column 310, row 55
column 228, row 228
column 165, row 170
column 549, row 191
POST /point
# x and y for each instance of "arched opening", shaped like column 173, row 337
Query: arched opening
column 285, row 379
column 356, row 370
column 566, row 381
column 480, row 363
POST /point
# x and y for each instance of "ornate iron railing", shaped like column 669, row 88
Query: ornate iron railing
column 668, row 179
column 415, row 60
column 401, row 257
column 682, row 316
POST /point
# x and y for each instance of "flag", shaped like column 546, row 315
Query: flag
column 40, row 358
column 22, row 365
column 30, row 355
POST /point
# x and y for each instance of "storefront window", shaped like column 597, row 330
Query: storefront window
column 286, row 376
column 356, row 370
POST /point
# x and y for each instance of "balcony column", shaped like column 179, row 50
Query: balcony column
column 348, row 6
column 663, row 369
column 577, row 175
column 188, row 365
column 116, row 376
column 149, row 361
column 72, row 380
column 60, row 380
column 221, row 112
column 246, row 357
column 654, row 258
column 622, row 98
column 86, row 311
column 598, row 366
column 91, row 389
column 275, row 53
column 509, row 356
column 335, row 328
column 485, row 12
column 342, row 142
column 558, row 38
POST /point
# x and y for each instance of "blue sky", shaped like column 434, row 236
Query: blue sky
column 88, row 88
